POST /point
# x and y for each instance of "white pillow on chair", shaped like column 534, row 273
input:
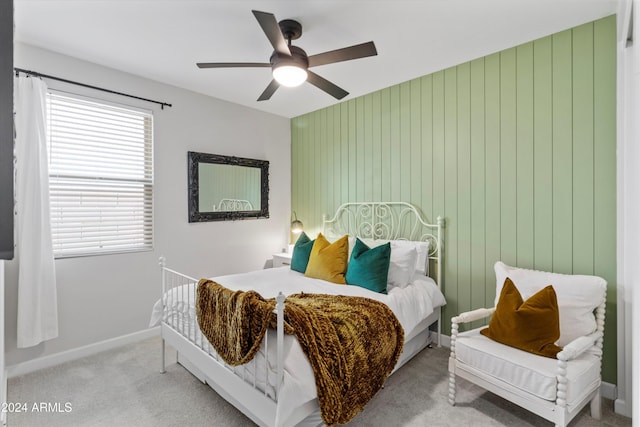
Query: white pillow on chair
column 578, row 296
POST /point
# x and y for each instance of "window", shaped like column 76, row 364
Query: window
column 100, row 176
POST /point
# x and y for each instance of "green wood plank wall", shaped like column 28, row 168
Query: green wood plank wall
column 515, row 150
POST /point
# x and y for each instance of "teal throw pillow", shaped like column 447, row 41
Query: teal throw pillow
column 301, row 253
column 368, row 267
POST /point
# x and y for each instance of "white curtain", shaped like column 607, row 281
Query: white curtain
column 37, row 301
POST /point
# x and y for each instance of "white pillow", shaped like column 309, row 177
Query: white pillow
column 423, row 252
column 578, row 296
column 402, row 264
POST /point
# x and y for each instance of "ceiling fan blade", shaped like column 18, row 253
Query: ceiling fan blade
column 233, row 64
column 272, row 30
column 326, row 85
column 345, row 54
column 269, row 90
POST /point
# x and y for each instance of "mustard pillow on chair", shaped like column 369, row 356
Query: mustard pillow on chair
column 328, row 261
column 532, row 325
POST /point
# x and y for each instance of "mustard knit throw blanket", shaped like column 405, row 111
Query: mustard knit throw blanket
column 352, row 343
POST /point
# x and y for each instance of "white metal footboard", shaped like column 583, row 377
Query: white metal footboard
column 240, row 385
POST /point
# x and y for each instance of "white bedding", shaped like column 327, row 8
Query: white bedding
column 410, row 304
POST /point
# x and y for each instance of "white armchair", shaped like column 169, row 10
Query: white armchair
column 555, row 389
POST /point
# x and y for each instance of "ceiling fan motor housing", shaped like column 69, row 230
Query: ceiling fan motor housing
column 298, row 58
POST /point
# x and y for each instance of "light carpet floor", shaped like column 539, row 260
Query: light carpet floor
column 123, row 387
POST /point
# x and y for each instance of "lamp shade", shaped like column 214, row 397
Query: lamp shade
column 296, row 224
column 289, row 75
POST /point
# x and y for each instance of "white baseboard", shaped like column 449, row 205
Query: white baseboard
column 445, row 340
column 623, row 408
column 77, row 353
column 607, row 390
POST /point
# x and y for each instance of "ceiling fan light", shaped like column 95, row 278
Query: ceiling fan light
column 289, row 75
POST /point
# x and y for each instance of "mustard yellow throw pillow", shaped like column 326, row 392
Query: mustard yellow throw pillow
column 532, row 325
column 328, row 261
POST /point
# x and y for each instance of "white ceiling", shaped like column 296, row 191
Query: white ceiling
column 163, row 39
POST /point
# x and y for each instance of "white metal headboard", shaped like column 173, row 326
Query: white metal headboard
column 234, row 205
column 388, row 221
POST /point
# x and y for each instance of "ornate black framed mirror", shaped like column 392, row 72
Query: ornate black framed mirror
column 224, row 188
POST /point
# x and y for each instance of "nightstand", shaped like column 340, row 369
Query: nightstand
column 281, row 259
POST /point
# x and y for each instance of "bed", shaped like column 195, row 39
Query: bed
column 277, row 387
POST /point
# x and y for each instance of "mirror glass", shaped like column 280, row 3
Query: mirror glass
column 227, row 188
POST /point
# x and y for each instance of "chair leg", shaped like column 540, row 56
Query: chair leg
column 561, row 416
column 452, row 388
column 596, row 406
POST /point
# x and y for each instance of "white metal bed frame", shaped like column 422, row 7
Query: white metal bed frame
column 233, row 205
column 374, row 220
column 390, row 221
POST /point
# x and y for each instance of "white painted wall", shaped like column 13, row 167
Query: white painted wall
column 103, row 297
column 628, row 214
column 629, row 342
column 632, row 179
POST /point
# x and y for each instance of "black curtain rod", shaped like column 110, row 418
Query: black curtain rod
column 36, row 74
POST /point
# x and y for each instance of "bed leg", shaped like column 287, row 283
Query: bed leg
column 162, row 359
column 280, row 342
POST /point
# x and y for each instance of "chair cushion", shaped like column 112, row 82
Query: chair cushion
column 530, row 373
column 532, row 325
column 578, row 296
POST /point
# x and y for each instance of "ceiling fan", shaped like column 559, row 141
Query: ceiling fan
column 290, row 64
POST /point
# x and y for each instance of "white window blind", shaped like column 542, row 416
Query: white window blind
column 100, row 176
